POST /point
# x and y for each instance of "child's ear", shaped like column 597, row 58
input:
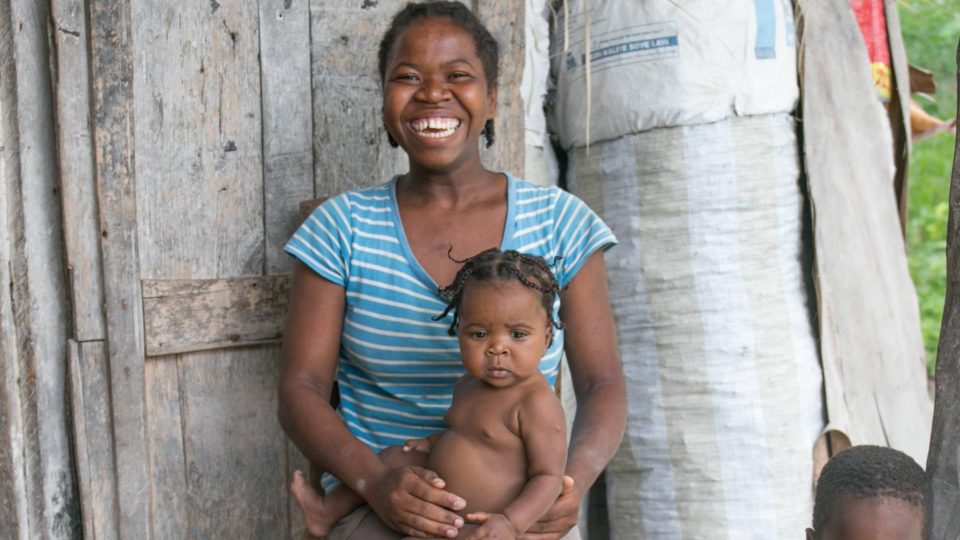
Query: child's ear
column 811, row 535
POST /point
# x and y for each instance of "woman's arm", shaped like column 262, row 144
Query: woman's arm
column 403, row 498
column 591, row 348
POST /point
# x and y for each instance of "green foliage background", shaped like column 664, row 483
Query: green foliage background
column 931, row 29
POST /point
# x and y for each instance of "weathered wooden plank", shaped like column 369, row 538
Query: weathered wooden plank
column 350, row 142
column 199, row 170
column 943, row 463
column 195, row 315
column 233, row 445
column 13, row 482
column 78, row 193
column 899, row 108
column 870, row 342
column 38, row 291
column 168, row 467
column 287, row 121
column 112, row 68
column 93, row 438
column 505, row 20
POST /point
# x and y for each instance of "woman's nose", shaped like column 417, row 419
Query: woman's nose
column 433, row 90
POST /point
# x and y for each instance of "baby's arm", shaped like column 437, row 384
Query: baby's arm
column 544, row 435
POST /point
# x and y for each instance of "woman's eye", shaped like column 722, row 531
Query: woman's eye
column 458, row 75
column 405, row 77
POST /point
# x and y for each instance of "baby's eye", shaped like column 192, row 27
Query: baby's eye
column 478, row 334
column 518, row 334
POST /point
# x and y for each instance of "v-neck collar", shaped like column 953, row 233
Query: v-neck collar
column 506, row 242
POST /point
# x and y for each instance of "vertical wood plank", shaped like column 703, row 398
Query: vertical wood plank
column 13, row 482
column 233, row 445
column 112, row 67
column 90, row 399
column 78, row 193
column 199, row 170
column 38, row 290
column 943, row 462
column 168, row 468
column 505, row 20
column 350, row 142
column 287, row 121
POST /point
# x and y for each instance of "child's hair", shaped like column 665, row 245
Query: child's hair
column 487, row 48
column 495, row 265
column 865, row 472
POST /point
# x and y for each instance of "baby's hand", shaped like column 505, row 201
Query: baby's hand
column 494, row 527
column 419, row 445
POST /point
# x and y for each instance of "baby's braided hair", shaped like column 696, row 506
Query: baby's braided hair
column 496, row 265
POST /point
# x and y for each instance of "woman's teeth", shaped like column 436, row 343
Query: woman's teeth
column 435, row 128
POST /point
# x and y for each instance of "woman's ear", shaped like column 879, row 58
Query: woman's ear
column 492, row 103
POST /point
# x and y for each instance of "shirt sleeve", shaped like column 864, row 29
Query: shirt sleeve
column 578, row 233
column 323, row 241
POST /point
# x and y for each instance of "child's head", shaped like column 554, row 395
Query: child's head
column 502, row 304
column 487, row 49
column 869, row 492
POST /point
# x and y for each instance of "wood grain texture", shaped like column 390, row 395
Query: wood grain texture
column 168, row 467
column 93, row 448
column 81, row 233
column 112, row 68
column 234, row 449
column 350, row 142
column 194, row 315
column 943, row 463
column 38, row 290
column 199, row 169
column 287, row 121
column 870, row 342
column 12, row 471
column 505, row 20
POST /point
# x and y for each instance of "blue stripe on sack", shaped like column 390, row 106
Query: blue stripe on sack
column 790, row 30
column 766, row 44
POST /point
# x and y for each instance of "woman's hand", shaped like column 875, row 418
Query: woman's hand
column 561, row 517
column 411, row 500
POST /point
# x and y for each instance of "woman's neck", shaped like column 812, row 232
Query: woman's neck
column 449, row 189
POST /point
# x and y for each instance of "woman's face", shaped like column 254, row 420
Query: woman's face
column 435, row 95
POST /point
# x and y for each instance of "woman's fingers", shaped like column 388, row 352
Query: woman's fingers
column 409, row 503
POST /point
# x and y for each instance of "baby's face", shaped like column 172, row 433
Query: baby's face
column 876, row 518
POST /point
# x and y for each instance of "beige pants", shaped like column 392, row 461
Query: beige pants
column 363, row 524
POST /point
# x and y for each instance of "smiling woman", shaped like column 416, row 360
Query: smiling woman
column 366, row 291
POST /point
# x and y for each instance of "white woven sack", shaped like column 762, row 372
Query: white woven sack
column 660, row 63
column 724, row 381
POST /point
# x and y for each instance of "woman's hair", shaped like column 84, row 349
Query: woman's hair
column 494, row 265
column 487, row 49
column 864, row 472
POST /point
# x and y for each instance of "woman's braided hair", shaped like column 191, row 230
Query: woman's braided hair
column 496, row 265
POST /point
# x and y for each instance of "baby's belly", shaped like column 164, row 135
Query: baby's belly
column 487, row 478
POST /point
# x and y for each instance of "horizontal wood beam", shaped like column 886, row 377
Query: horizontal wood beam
column 187, row 315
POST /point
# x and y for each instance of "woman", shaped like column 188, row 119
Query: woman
column 370, row 264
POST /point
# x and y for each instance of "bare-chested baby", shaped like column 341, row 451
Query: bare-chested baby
column 504, row 450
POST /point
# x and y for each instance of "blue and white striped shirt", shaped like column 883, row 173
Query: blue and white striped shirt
column 397, row 366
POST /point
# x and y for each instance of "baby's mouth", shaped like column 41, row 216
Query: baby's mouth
column 435, row 128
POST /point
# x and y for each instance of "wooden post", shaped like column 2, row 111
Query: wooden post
column 943, row 462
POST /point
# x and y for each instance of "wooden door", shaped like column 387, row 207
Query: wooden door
column 188, row 134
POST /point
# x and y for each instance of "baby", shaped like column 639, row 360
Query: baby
column 504, row 450
column 869, row 492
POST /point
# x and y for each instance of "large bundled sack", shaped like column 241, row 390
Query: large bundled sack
column 660, row 63
column 707, row 286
